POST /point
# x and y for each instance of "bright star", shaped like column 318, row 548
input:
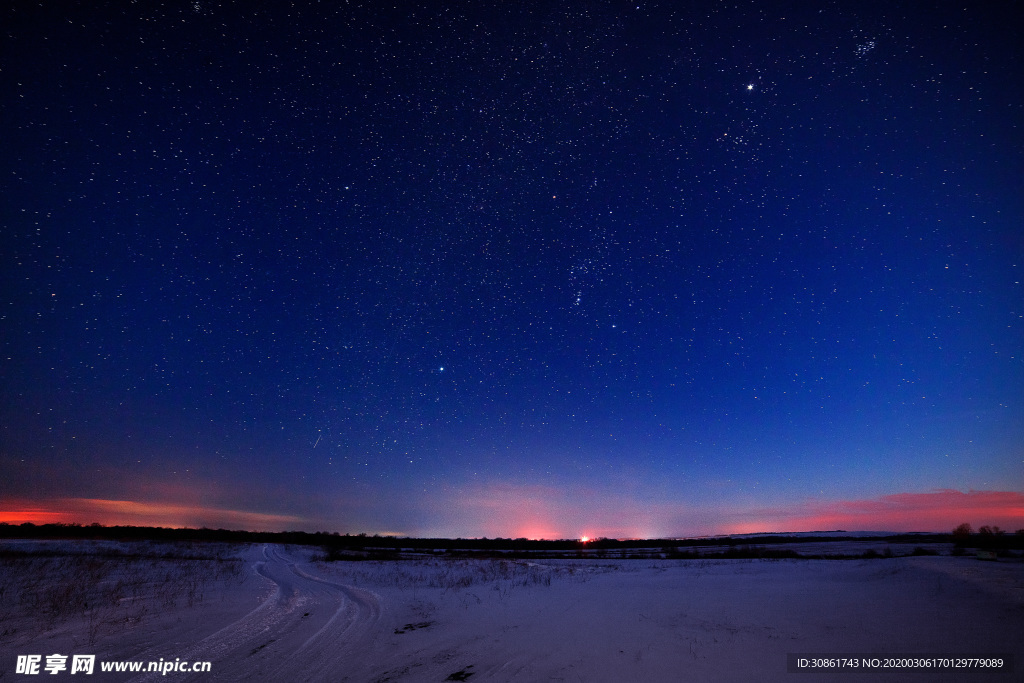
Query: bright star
column 750, row 86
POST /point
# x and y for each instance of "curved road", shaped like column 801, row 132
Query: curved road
column 309, row 629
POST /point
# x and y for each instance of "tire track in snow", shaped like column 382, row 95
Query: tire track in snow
column 307, row 630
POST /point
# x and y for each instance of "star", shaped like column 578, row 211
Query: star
column 456, row 212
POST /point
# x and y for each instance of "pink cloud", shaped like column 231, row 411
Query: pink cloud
column 940, row 510
column 136, row 513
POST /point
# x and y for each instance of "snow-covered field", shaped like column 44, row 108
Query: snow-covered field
column 272, row 613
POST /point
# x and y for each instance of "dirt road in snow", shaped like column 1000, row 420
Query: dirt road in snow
column 290, row 618
column 305, row 630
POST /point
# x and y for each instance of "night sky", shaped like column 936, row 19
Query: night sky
column 517, row 269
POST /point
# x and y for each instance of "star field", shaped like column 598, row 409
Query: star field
column 631, row 269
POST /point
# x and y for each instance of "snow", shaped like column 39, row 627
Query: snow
column 275, row 613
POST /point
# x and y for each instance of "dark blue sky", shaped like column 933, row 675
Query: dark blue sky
column 511, row 269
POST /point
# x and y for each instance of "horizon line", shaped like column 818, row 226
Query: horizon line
column 395, row 536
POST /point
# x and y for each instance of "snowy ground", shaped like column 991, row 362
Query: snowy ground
column 276, row 614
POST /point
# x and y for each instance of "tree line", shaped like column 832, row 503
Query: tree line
column 963, row 536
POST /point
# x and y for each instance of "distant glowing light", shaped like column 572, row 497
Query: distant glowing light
column 750, row 86
column 584, row 539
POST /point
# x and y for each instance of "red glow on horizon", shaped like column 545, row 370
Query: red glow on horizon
column 534, row 533
column 33, row 515
column 135, row 513
column 937, row 511
column 501, row 509
column 548, row 513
